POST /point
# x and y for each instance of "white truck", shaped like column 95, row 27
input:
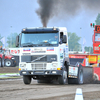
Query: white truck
column 44, row 56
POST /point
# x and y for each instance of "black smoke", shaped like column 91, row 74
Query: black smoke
column 51, row 8
column 46, row 10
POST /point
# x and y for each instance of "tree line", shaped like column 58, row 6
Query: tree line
column 10, row 42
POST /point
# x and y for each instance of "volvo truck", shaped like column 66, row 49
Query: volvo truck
column 44, row 56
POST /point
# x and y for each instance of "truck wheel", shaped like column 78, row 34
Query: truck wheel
column 80, row 75
column 63, row 79
column 78, row 80
column 8, row 63
column 27, row 79
column 0, row 62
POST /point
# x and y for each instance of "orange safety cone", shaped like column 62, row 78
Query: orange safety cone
column 79, row 95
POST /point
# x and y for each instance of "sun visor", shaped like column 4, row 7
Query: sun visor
column 40, row 30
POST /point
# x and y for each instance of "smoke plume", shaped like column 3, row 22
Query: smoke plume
column 68, row 8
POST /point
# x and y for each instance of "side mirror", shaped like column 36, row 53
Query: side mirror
column 64, row 39
column 17, row 41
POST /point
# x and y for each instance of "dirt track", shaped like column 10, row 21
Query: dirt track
column 8, row 69
column 15, row 89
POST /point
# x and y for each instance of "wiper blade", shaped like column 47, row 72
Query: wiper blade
column 40, row 44
column 28, row 45
column 44, row 43
column 49, row 44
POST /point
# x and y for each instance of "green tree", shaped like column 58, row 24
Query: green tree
column 73, row 40
column 97, row 21
column 89, row 49
column 11, row 39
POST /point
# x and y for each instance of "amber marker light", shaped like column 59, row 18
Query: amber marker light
column 19, row 69
column 58, row 68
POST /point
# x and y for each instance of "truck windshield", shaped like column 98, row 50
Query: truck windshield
column 39, row 39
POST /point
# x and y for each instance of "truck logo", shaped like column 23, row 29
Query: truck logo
column 38, row 50
column 39, row 58
column 26, row 49
column 50, row 49
column 53, row 58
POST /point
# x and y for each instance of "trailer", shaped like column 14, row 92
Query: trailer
column 91, row 61
column 91, row 66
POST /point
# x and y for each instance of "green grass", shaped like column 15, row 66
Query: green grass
column 7, row 73
column 10, row 77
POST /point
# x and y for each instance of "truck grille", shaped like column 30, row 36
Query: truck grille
column 38, row 58
column 38, row 66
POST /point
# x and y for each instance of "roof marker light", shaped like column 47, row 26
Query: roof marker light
column 24, row 29
column 54, row 28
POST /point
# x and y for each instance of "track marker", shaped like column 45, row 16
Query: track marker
column 79, row 95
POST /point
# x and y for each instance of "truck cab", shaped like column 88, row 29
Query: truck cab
column 44, row 55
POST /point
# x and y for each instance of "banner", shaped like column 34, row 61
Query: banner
column 3, row 42
column 83, row 45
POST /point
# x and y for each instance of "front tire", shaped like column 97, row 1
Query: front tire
column 63, row 79
column 0, row 63
column 8, row 63
column 27, row 79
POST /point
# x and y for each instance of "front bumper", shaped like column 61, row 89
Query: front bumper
column 40, row 72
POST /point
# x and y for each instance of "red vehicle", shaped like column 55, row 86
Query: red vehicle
column 6, row 59
column 78, row 58
column 96, row 40
column 93, row 59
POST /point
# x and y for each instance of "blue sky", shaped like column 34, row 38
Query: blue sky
column 21, row 14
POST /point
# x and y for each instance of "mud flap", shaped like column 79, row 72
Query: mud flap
column 88, row 74
column 78, row 78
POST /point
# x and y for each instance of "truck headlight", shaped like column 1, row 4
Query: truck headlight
column 54, row 64
column 22, row 65
column 12, row 58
